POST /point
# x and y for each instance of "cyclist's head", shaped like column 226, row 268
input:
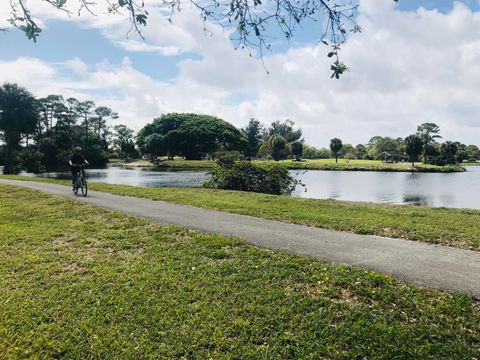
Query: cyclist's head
column 77, row 150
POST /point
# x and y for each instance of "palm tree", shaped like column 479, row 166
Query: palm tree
column 336, row 145
column 413, row 147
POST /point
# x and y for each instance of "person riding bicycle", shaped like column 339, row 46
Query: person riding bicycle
column 76, row 161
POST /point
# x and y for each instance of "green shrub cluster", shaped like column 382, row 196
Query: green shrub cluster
column 245, row 175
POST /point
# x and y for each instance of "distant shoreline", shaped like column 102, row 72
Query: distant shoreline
column 342, row 165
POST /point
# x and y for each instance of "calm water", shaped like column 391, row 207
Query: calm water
column 457, row 190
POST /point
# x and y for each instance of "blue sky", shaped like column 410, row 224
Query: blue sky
column 94, row 59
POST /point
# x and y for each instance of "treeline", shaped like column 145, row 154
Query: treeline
column 39, row 134
column 422, row 145
column 194, row 137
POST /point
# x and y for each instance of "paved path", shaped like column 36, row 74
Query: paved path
column 435, row 266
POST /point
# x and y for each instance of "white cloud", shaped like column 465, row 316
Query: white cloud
column 405, row 68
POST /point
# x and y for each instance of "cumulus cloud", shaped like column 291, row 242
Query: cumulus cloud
column 405, row 68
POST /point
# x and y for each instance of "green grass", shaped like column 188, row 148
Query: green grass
column 82, row 282
column 368, row 165
column 454, row 227
column 320, row 164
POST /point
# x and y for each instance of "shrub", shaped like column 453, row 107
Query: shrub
column 247, row 176
column 228, row 158
column 30, row 160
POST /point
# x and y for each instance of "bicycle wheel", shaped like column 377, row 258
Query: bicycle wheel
column 84, row 187
column 75, row 187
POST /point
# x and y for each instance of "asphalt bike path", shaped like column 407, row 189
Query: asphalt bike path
column 435, row 266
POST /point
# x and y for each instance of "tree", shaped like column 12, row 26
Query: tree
column 297, row 150
column 99, row 121
column 279, row 147
column 18, row 116
column 84, row 110
column 379, row 144
column 310, row 152
column 285, row 129
column 429, row 133
column 253, row 134
column 448, row 152
column 360, row 152
column 123, row 141
column 252, row 22
column 473, row 152
column 413, row 147
column 335, row 146
column 191, row 135
column 347, row 151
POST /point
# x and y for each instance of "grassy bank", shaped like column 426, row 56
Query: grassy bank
column 320, row 164
column 368, row 165
column 454, row 227
column 82, row 282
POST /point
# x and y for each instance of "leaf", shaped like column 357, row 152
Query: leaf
column 142, row 19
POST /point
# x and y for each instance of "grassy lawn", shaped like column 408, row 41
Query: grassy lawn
column 320, row 164
column 83, row 282
column 368, row 165
column 454, row 227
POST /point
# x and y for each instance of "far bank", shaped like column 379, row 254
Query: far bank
column 317, row 164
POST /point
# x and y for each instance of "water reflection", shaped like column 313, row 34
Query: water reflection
column 459, row 190
column 456, row 190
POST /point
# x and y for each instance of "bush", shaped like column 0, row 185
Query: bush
column 247, row 176
column 228, row 158
column 31, row 160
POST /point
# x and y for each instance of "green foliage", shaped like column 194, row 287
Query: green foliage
column 284, row 129
column 123, row 141
column 347, row 151
column 360, row 152
column 18, row 117
column 31, row 160
column 228, row 158
column 252, row 177
column 429, row 133
column 278, row 139
column 413, row 147
column 189, row 135
column 448, row 152
column 473, row 152
column 310, row 152
column 335, row 146
column 50, row 123
column 297, row 149
column 379, row 144
column 253, row 135
column 279, row 147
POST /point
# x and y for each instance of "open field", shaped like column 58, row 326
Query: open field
column 83, row 282
column 319, row 164
column 454, row 227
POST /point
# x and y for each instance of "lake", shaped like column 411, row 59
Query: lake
column 455, row 190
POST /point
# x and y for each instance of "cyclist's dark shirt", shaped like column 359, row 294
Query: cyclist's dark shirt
column 78, row 159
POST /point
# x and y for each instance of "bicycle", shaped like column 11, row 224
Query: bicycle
column 80, row 181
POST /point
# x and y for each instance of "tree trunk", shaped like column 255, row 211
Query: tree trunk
column 336, row 159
